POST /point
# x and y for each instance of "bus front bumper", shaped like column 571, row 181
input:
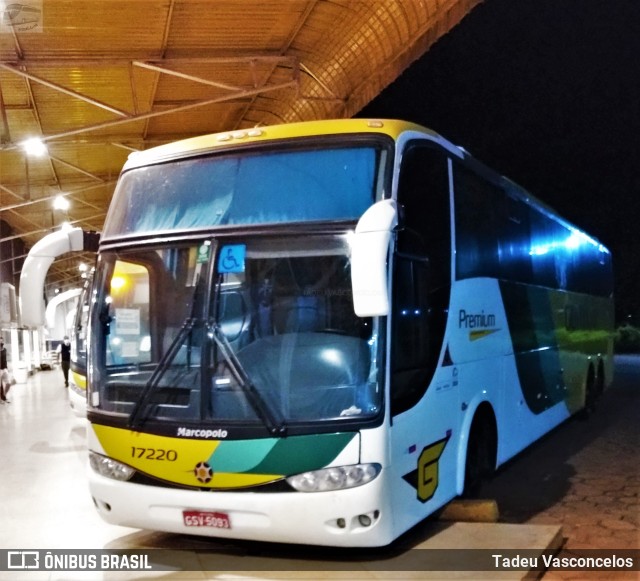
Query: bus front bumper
column 355, row 517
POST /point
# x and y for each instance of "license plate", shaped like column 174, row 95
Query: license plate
column 201, row 518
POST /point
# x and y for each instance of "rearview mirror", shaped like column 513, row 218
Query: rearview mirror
column 369, row 248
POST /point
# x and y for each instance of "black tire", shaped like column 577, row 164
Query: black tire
column 590, row 395
column 600, row 381
column 481, row 456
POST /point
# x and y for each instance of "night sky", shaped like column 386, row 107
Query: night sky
column 546, row 92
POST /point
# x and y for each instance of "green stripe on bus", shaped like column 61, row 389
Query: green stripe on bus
column 301, row 453
column 531, row 322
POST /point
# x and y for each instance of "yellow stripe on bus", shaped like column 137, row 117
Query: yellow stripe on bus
column 171, row 459
column 79, row 380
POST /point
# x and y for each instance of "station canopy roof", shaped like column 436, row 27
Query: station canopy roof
column 98, row 79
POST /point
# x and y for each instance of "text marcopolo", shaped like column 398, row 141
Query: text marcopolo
column 201, row 433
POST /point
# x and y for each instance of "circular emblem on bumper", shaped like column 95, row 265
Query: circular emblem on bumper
column 203, row 472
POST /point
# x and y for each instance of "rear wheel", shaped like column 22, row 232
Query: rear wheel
column 600, row 381
column 590, row 394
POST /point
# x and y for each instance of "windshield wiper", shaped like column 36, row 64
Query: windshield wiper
column 136, row 419
column 257, row 401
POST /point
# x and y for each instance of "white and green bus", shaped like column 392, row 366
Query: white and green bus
column 323, row 332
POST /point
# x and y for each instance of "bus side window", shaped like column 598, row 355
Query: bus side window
column 423, row 193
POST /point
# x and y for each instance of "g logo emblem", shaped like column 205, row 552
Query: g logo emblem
column 428, row 469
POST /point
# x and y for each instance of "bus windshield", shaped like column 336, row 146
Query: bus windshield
column 246, row 188
column 260, row 330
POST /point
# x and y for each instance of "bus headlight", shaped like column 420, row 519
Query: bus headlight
column 334, row 478
column 109, row 467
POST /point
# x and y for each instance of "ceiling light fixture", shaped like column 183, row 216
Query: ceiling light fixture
column 34, row 146
column 60, row 203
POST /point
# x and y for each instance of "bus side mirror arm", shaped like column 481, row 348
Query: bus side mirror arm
column 369, row 250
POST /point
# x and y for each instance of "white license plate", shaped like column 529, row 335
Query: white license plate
column 201, row 518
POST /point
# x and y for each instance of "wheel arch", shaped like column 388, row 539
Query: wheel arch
column 482, row 415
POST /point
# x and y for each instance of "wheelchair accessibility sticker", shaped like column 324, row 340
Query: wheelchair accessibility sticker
column 232, row 258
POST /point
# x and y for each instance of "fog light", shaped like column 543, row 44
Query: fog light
column 341, row 523
column 364, row 520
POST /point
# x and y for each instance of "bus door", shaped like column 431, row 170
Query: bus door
column 424, row 397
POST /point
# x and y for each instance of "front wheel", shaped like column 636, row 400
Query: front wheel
column 481, row 457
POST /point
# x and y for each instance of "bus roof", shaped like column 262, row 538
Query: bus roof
column 212, row 142
column 391, row 127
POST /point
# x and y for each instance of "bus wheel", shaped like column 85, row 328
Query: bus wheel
column 481, row 453
column 600, row 381
column 590, row 395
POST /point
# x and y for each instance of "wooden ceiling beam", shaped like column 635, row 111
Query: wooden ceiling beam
column 61, row 89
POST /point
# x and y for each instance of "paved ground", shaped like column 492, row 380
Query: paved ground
column 584, row 476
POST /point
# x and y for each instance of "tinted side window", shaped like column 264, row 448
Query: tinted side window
column 481, row 214
column 424, row 196
column 501, row 235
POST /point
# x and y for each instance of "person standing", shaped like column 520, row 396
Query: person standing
column 64, row 357
column 5, row 379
